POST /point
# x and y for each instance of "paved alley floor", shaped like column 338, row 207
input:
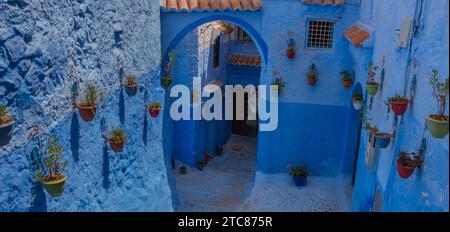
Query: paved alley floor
column 229, row 183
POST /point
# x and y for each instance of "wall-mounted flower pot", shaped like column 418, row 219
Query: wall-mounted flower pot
column 290, row 53
column 347, row 83
column 404, row 171
column 383, row 140
column 154, row 109
column 438, row 125
column 299, row 180
column 131, row 90
column 117, row 146
column 87, row 113
column 358, row 104
column 167, row 81
column 372, row 88
column 399, row 107
column 182, row 170
column 312, row 80
column 6, row 133
column 55, row 188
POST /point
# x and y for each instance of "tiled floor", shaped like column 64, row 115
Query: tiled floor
column 228, row 184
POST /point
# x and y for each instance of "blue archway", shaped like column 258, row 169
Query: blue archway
column 191, row 23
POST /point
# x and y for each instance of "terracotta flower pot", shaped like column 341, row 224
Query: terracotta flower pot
column 166, row 81
column 438, row 125
column 347, row 83
column 399, row 108
column 290, row 53
column 55, row 188
column 6, row 133
column 312, row 80
column 372, row 88
column 117, row 147
column 154, row 112
column 404, row 171
column 87, row 113
column 131, row 90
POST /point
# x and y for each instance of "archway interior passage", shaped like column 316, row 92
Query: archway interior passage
column 220, row 54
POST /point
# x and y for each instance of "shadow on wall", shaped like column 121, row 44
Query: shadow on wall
column 75, row 137
column 105, row 170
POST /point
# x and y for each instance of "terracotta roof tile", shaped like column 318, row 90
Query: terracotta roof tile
column 356, row 35
column 212, row 5
column 245, row 60
column 325, row 2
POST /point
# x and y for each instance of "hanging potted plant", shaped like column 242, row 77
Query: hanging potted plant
column 383, row 139
column 54, row 181
column 398, row 104
column 291, row 51
column 312, row 75
column 117, row 140
column 154, row 108
column 279, row 84
column 88, row 106
column 358, row 101
column 131, row 85
column 346, row 79
column 372, row 86
column 438, row 123
column 6, row 126
column 183, row 170
column 299, row 175
column 167, row 79
column 407, row 163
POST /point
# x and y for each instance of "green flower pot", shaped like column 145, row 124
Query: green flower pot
column 166, row 81
column 55, row 188
column 372, row 88
column 437, row 128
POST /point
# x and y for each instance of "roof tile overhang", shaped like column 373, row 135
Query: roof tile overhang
column 357, row 35
column 325, row 2
column 188, row 6
column 244, row 60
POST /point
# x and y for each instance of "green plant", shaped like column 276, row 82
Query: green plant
column 397, row 98
column 170, row 64
column 130, row 80
column 278, row 81
column 5, row 118
column 312, row 72
column 410, row 160
column 53, row 162
column 440, row 91
column 346, row 76
column 295, row 171
column 358, row 97
column 118, row 136
column 91, row 95
column 155, row 105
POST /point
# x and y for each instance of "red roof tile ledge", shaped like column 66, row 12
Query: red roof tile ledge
column 360, row 34
column 324, row 2
column 188, row 6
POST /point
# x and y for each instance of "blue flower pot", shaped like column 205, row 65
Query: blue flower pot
column 383, row 140
column 299, row 180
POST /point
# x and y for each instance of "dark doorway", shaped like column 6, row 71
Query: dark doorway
column 246, row 127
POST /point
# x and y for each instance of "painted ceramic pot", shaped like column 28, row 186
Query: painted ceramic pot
column 404, row 171
column 438, row 126
column 117, row 147
column 399, row 108
column 166, row 81
column 312, row 80
column 347, row 83
column 154, row 112
column 383, row 140
column 372, row 88
column 131, row 90
column 299, row 180
column 358, row 104
column 55, row 188
column 87, row 113
column 290, row 53
column 6, row 133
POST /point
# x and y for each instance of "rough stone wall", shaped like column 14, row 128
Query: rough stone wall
column 45, row 46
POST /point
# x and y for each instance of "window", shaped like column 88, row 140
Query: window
column 320, row 34
column 243, row 35
column 216, row 62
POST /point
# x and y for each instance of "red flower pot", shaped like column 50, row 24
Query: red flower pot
column 312, row 80
column 116, row 146
column 399, row 108
column 347, row 83
column 404, row 172
column 154, row 112
column 290, row 54
column 87, row 113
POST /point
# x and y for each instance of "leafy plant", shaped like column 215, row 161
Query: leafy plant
column 346, row 76
column 53, row 162
column 170, row 64
column 118, row 136
column 91, row 94
column 358, row 97
column 312, row 72
column 397, row 98
column 5, row 118
column 295, row 171
column 410, row 160
column 130, row 80
column 278, row 81
column 440, row 90
column 155, row 105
